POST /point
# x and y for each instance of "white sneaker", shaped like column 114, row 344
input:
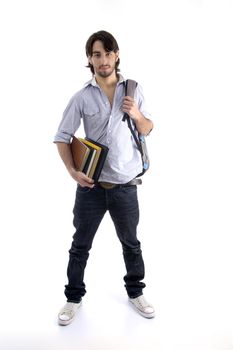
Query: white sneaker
column 142, row 306
column 67, row 313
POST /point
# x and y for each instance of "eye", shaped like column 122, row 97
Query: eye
column 96, row 55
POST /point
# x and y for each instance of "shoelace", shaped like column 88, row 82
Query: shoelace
column 68, row 310
column 143, row 303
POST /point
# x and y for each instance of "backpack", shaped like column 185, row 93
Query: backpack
column 130, row 87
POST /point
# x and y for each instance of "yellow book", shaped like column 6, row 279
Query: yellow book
column 95, row 159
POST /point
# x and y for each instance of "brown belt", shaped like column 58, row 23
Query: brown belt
column 109, row 185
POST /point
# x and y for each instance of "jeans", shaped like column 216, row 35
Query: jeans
column 89, row 209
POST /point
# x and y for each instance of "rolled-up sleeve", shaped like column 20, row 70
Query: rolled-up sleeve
column 70, row 122
column 139, row 96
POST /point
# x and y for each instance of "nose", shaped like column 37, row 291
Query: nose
column 104, row 60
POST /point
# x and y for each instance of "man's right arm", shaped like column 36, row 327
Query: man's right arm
column 66, row 155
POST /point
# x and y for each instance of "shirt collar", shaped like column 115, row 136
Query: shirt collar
column 93, row 81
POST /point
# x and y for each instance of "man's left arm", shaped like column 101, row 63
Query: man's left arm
column 143, row 124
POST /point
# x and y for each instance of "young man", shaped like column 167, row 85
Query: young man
column 101, row 105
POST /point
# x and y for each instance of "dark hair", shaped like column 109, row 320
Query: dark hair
column 109, row 43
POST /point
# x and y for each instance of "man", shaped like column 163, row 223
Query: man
column 101, row 105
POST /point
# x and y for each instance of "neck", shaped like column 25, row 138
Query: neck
column 108, row 81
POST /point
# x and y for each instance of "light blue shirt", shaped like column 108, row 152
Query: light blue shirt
column 103, row 123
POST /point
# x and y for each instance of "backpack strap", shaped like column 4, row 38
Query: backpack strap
column 130, row 87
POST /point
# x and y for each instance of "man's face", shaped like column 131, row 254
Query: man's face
column 103, row 62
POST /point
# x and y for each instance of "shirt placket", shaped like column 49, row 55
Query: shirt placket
column 110, row 111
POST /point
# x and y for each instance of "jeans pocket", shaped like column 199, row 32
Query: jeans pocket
column 129, row 189
column 83, row 190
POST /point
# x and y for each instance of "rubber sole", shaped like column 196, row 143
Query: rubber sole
column 67, row 322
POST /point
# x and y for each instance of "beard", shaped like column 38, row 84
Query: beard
column 105, row 73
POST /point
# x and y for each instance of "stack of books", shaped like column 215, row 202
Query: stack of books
column 89, row 156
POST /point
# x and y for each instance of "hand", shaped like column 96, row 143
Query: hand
column 130, row 107
column 82, row 179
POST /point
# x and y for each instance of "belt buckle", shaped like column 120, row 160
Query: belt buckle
column 107, row 185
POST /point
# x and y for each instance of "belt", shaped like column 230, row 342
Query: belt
column 109, row 185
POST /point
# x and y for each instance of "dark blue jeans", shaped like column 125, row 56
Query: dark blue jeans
column 90, row 207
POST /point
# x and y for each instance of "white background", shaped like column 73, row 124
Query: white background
column 181, row 53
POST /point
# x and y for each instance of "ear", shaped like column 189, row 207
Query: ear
column 90, row 60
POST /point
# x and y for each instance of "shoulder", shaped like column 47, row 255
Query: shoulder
column 80, row 94
column 134, row 83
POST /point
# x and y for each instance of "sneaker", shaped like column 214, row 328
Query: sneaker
column 67, row 313
column 142, row 306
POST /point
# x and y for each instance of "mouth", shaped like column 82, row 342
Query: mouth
column 104, row 67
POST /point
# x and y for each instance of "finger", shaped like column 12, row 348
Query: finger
column 127, row 103
column 89, row 185
column 85, row 177
column 128, row 98
column 85, row 181
column 127, row 106
column 85, row 184
column 88, row 180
